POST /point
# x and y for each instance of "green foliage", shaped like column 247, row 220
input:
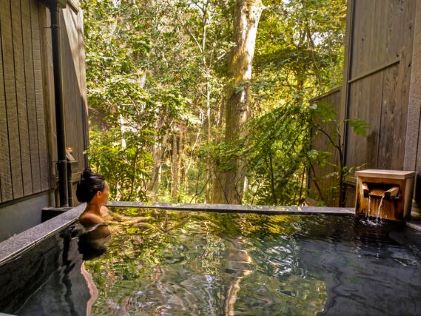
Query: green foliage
column 325, row 122
column 323, row 112
column 276, row 154
column 155, row 76
column 360, row 127
column 127, row 169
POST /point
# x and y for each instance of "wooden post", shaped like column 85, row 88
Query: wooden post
column 412, row 159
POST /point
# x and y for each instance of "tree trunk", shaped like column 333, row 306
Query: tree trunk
column 229, row 185
column 158, row 151
column 153, row 185
column 208, row 141
column 175, row 166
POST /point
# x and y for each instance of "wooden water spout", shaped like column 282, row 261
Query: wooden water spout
column 384, row 194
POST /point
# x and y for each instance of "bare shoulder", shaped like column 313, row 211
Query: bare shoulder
column 88, row 219
column 107, row 215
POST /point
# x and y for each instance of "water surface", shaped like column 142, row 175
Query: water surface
column 175, row 263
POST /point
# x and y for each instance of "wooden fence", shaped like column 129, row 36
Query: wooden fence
column 380, row 51
column 377, row 79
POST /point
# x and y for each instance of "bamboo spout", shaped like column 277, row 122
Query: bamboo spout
column 376, row 193
column 384, row 194
column 392, row 193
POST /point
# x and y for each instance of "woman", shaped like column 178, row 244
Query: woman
column 94, row 190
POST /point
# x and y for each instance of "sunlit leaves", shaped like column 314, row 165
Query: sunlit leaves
column 155, row 68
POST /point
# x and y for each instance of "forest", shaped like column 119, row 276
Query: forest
column 208, row 101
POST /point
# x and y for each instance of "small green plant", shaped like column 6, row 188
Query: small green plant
column 324, row 121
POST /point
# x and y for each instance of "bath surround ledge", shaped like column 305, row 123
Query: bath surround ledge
column 15, row 245
column 235, row 208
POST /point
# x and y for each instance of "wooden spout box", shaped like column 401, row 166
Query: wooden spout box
column 397, row 208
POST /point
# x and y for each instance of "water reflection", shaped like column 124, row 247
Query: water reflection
column 206, row 264
column 213, row 264
column 239, row 266
column 92, row 240
column 69, row 290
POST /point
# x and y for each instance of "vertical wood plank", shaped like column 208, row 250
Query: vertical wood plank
column 366, row 97
column 21, row 97
column 412, row 159
column 82, row 69
column 345, row 93
column 30, row 96
column 72, row 91
column 391, row 142
column 375, row 99
column 10, row 92
column 39, row 96
column 48, row 94
column 6, row 192
column 381, row 55
column 355, row 157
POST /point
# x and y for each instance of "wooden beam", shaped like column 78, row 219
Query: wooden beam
column 374, row 71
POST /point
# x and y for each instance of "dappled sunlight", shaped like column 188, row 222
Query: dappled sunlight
column 202, row 263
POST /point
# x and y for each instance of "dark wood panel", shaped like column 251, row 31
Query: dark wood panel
column 48, row 93
column 356, row 146
column 364, row 13
column 39, row 95
column 30, row 96
column 412, row 145
column 27, row 96
column 21, row 97
column 393, row 122
column 6, row 192
column 10, row 92
column 375, row 98
column 365, row 104
column 73, row 104
column 381, row 29
column 82, row 85
column 399, row 33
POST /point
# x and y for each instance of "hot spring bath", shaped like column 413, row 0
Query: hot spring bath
column 200, row 263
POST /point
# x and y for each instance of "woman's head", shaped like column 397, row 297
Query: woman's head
column 92, row 186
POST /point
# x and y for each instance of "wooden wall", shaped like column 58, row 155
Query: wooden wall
column 321, row 179
column 74, row 90
column 28, row 151
column 24, row 168
column 377, row 80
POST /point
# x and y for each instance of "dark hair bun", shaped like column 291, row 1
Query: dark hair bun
column 88, row 185
column 86, row 174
